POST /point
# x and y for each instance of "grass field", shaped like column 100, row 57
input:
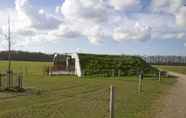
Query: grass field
column 71, row 97
column 178, row 69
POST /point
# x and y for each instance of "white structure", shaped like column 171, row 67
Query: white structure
column 77, row 64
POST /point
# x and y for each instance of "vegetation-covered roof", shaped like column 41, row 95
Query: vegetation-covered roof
column 108, row 65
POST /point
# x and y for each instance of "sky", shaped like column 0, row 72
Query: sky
column 136, row 27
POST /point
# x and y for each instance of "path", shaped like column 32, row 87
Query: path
column 174, row 104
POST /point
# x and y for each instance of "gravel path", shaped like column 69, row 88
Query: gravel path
column 174, row 104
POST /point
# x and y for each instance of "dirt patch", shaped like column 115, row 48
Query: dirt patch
column 173, row 105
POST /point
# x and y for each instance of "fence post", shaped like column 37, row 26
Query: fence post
column 0, row 80
column 11, row 79
column 20, row 80
column 119, row 73
column 26, row 71
column 8, row 77
column 159, row 75
column 140, row 84
column 111, row 102
column 155, row 75
column 113, row 72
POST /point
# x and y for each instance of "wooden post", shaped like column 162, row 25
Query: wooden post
column 140, row 84
column 20, row 79
column 159, row 75
column 8, row 79
column 26, row 71
column 155, row 77
column 0, row 80
column 44, row 71
column 119, row 73
column 11, row 79
column 111, row 102
column 112, row 72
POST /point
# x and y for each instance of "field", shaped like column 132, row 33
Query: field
column 178, row 69
column 72, row 97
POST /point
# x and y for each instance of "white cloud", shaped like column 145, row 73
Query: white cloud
column 31, row 17
column 181, row 35
column 87, row 18
column 175, row 8
column 64, row 32
column 126, row 4
column 26, row 32
column 169, row 33
column 96, row 35
column 136, row 32
column 58, row 9
column 185, row 44
column 41, row 11
column 168, row 6
column 84, row 10
column 99, row 20
column 181, row 17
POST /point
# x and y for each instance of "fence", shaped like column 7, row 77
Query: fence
column 11, row 81
column 92, row 101
column 117, row 73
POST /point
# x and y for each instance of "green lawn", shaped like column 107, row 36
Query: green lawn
column 71, row 97
column 178, row 69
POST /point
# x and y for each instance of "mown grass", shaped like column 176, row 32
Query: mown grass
column 72, row 97
column 178, row 69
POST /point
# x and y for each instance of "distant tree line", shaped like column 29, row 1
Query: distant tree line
column 165, row 60
column 26, row 56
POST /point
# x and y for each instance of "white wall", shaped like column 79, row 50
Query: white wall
column 77, row 64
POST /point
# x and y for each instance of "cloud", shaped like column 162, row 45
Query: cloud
column 181, row 35
column 96, row 34
column 169, row 33
column 92, row 17
column 176, row 8
column 128, row 5
column 64, row 32
column 98, row 18
column 136, row 32
column 168, row 6
column 26, row 32
column 29, row 24
column 31, row 17
column 58, row 9
column 99, row 21
column 1, row 31
column 181, row 16
column 185, row 44
column 111, row 23
column 86, row 10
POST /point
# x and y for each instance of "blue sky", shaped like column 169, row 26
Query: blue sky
column 145, row 27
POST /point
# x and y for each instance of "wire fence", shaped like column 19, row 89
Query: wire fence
column 11, row 80
column 91, row 103
column 88, row 104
